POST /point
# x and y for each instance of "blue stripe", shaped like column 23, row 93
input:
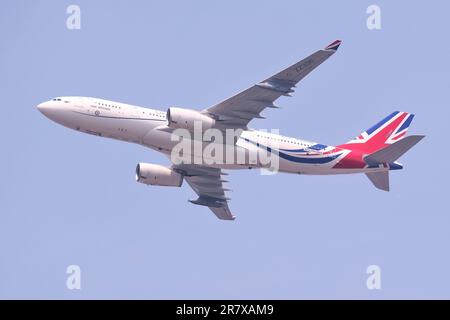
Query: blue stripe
column 382, row 122
column 318, row 147
column 307, row 160
column 406, row 123
column 395, row 166
column 294, row 150
column 315, row 147
column 296, row 159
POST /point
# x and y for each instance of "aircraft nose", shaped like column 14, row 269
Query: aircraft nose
column 46, row 106
column 41, row 107
column 50, row 109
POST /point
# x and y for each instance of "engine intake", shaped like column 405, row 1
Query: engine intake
column 179, row 118
column 157, row 175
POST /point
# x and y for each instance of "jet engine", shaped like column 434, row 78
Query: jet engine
column 179, row 118
column 157, row 175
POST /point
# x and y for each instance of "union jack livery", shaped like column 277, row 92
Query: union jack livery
column 394, row 126
column 374, row 152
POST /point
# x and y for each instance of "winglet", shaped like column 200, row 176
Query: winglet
column 333, row 46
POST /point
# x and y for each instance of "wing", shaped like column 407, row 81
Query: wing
column 207, row 182
column 240, row 109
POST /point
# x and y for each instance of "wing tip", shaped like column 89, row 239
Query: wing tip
column 334, row 45
column 230, row 217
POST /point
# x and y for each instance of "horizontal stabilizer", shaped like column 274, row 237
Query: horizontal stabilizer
column 379, row 179
column 393, row 152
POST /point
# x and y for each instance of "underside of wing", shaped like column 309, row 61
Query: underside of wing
column 238, row 110
column 207, row 182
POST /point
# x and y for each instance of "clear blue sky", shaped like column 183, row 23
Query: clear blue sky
column 68, row 198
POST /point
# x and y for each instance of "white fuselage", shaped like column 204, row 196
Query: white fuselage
column 147, row 127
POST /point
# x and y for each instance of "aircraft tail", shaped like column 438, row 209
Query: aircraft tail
column 394, row 151
column 382, row 144
column 391, row 129
column 388, row 156
column 379, row 179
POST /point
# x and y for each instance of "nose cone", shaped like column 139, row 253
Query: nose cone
column 52, row 110
column 46, row 108
column 42, row 107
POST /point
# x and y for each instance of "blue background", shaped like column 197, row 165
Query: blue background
column 70, row 198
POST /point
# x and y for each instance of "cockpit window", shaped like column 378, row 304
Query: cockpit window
column 56, row 99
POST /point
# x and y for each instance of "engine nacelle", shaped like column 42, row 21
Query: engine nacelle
column 179, row 118
column 157, row 175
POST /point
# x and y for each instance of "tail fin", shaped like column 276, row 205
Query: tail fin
column 386, row 132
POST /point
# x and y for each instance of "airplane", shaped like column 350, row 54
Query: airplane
column 374, row 152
